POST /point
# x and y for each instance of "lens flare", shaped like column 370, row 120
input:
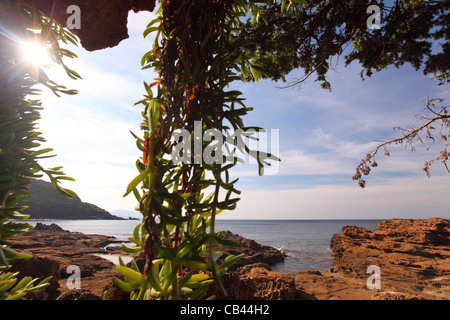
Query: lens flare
column 36, row 53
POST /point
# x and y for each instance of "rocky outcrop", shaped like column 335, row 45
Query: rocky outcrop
column 256, row 282
column 54, row 251
column 254, row 252
column 45, row 202
column 413, row 257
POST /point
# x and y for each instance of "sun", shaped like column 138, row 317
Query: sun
column 36, row 53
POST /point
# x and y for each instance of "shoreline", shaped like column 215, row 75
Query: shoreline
column 413, row 255
column 306, row 243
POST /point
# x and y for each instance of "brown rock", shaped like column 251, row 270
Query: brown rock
column 40, row 268
column 78, row 294
column 395, row 296
column 254, row 252
column 256, row 282
column 413, row 256
column 103, row 22
column 54, row 251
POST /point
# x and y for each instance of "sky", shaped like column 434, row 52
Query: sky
column 322, row 138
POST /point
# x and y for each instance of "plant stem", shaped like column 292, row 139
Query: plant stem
column 213, row 214
column 142, row 291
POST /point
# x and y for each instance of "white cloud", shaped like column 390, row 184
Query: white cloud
column 94, row 147
column 401, row 198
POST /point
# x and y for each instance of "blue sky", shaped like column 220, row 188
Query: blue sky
column 322, row 137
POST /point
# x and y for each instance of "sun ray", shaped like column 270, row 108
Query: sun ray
column 36, row 53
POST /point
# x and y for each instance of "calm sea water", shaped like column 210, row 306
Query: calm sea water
column 305, row 242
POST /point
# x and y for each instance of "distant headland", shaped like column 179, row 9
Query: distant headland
column 44, row 202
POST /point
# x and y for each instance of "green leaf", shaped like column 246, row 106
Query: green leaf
column 197, row 278
column 168, row 277
column 16, row 296
column 150, row 30
column 153, row 278
column 129, row 249
column 134, row 183
column 38, row 287
column 7, row 284
column 67, row 193
column 193, row 264
column 136, row 234
column 227, row 243
column 131, row 275
column 135, row 266
column 125, row 286
column 283, row 5
column 217, row 255
column 39, row 152
column 230, row 260
column 217, row 280
column 136, row 194
column 3, row 260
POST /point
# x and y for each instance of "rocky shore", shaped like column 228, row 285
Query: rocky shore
column 408, row 259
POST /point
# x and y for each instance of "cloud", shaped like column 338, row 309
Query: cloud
column 97, row 151
column 89, row 132
column 400, row 198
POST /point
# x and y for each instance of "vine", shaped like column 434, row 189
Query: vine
column 197, row 54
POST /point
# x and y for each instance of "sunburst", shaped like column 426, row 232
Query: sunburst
column 36, row 53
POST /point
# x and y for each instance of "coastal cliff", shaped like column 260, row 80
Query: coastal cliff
column 413, row 257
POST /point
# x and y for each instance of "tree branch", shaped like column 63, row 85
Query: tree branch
column 409, row 136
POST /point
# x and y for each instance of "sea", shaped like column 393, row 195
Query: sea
column 306, row 243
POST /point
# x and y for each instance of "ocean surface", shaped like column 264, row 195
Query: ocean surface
column 305, row 242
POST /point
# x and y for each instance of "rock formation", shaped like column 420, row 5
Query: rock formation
column 254, row 252
column 55, row 250
column 413, row 257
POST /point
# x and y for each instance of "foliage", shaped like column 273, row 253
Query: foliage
column 322, row 30
column 197, row 54
column 200, row 47
column 309, row 38
column 9, row 290
column 19, row 138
